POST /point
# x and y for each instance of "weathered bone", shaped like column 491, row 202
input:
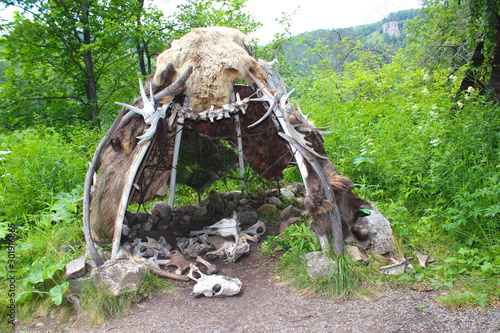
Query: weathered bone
column 170, row 90
column 232, row 250
column 225, row 228
column 195, row 246
column 252, row 233
column 178, row 260
column 333, row 214
column 173, row 173
column 213, row 285
column 269, row 111
column 159, row 271
column 211, row 268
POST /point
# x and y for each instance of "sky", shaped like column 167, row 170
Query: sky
column 310, row 14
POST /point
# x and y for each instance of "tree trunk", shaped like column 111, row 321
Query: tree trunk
column 140, row 50
column 140, row 53
column 148, row 55
column 90, row 84
column 474, row 79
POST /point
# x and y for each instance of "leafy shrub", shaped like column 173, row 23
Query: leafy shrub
column 41, row 163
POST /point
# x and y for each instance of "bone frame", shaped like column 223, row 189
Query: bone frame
column 241, row 160
column 333, row 214
column 122, row 208
column 175, row 160
column 300, row 152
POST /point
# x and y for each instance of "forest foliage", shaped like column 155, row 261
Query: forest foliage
column 428, row 158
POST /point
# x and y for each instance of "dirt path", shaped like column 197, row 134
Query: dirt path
column 268, row 305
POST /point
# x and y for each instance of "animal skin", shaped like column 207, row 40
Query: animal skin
column 218, row 56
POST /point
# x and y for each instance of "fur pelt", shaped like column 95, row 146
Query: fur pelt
column 218, row 56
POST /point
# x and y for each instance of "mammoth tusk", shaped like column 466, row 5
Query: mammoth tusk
column 334, row 215
column 174, row 86
column 269, row 111
column 132, row 171
column 89, row 182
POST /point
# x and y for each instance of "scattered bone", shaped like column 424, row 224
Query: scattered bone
column 178, row 260
column 422, row 260
column 225, row 228
column 161, row 272
column 399, row 267
column 211, row 268
column 254, row 232
column 144, row 250
column 213, row 285
column 194, row 246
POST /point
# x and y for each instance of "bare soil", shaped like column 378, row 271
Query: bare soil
column 267, row 304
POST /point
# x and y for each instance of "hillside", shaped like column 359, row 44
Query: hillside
column 333, row 47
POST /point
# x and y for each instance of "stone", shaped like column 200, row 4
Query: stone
column 154, row 218
column 75, row 268
column 285, row 213
column 125, row 230
column 319, row 266
column 299, row 202
column 247, row 217
column 297, row 188
column 356, row 254
column 161, row 209
column 380, row 232
column 148, row 225
column 132, row 219
column 77, row 286
column 274, row 201
column 268, row 210
column 188, row 209
column 186, row 219
column 120, row 274
column 286, row 224
column 216, row 203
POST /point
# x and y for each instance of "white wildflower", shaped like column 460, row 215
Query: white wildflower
column 435, row 142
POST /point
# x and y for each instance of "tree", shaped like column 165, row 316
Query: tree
column 72, row 58
column 209, row 13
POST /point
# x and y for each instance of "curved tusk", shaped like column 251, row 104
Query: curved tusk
column 174, row 86
column 269, row 111
column 89, row 181
column 333, row 214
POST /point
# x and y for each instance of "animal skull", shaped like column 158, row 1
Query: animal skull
column 214, row 285
column 252, row 233
column 225, row 228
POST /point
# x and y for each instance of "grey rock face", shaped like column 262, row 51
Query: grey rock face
column 161, row 209
column 75, row 268
column 120, row 274
column 380, row 232
column 319, row 266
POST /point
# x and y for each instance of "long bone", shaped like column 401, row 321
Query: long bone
column 95, row 164
column 151, row 116
column 333, row 214
column 301, row 150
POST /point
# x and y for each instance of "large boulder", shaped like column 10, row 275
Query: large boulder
column 380, row 232
column 120, row 274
